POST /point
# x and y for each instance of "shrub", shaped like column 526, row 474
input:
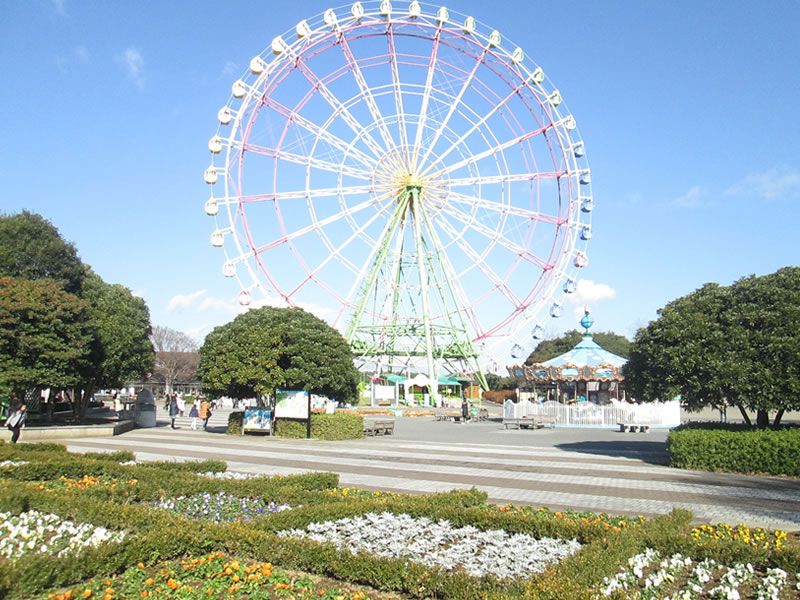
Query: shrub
column 501, row 396
column 235, row 423
column 735, row 448
column 338, row 426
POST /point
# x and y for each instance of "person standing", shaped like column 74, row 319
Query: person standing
column 173, row 409
column 193, row 412
column 205, row 412
column 17, row 421
column 464, row 411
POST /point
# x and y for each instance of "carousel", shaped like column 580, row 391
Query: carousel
column 588, row 372
column 584, row 388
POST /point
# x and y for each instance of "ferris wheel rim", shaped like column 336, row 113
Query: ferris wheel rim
column 521, row 303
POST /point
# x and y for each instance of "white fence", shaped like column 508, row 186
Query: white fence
column 587, row 414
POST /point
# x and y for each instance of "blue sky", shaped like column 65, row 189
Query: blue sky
column 689, row 111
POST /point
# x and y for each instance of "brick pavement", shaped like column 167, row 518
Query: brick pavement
column 596, row 470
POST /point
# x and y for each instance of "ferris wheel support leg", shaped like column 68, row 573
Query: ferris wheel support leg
column 416, row 211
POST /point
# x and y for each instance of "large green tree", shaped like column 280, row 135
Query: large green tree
column 123, row 328
column 32, row 248
column 269, row 348
column 547, row 349
column 719, row 346
column 47, row 338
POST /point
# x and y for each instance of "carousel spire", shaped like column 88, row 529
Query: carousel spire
column 587, row 321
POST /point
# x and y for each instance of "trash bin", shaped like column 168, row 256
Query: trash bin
column 145, row 409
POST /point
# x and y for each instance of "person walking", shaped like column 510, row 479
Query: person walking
column 464, row 411
column 17, row 421
column 194, row 414
column 173, row 409
column 205, row 412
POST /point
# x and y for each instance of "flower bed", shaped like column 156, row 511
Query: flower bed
column 677, row 577
column 34, row 532
column 451, row 546
column 211, row 576
column 221, row 507
column 439, row 544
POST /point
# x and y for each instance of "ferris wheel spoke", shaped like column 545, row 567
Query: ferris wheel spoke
column 315, row 225
column 504, row 209
column 479, row 261
column 337, row 252
column 308, row 161
column 426, row 95
column 340, row 109
column 320, row 132
column 496, row 237
column 453, row 107
column 366, row 92
column 398, row 94
column 476, row 125
column 355, row 190
column 498, row 149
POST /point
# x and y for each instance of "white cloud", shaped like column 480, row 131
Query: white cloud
column 133, row 62
column 60, row 7
column 587, row 292
column 139, row 293
column 691, row 198
column 81, row 53
column 780, row 182
column 184, row 300
column 230, row 69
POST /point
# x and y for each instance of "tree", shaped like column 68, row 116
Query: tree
column 497, row 383
column 47, row 338
column 547, row 349
column 725, row 346
column 176, row 355
column 123, row 326
column 269, row 348
column 32, row 248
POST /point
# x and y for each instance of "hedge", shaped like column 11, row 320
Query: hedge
column 338, row 426
column 324, row 427
column 735, row 448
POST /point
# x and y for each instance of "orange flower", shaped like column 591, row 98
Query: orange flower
column 140, row 565
column 145, row 594
column 68, row 594
column 148, row 581
column 87, row 593
column 172, row 583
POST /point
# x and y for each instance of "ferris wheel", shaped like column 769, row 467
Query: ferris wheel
column 409, row 175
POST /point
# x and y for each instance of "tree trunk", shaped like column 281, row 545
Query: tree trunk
column 778, row 417
column 745, row 416
column 762, row 419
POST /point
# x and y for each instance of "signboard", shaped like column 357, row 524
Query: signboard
column 292, row 404
column 257, row 419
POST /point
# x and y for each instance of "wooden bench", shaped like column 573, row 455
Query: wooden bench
column 442, row 414
column 633, row 427
column 378, row 426
column 534, row 422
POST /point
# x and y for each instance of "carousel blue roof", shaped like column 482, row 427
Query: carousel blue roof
column 586, row 353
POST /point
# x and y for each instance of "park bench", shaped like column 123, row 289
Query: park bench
column 378, row 426
column 633, row 427
column 442, row 414
column 533, row 422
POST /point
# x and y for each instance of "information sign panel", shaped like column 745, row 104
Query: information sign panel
column 291, row 404
column 257, row 419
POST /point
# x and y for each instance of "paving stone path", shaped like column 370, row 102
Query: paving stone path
column 596, row 470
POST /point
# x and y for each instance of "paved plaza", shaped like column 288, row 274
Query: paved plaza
column 600, row 470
